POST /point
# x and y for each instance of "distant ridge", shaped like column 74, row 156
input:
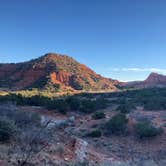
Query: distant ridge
column 55, row 72
column 153, row 80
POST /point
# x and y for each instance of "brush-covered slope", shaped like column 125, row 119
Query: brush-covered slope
column 53, row 71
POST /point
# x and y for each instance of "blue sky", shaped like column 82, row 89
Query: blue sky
column 121, row 39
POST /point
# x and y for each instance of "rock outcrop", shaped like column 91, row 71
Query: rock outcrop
column 154, row 80
column 55, row 71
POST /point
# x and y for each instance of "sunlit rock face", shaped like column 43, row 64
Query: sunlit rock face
column 53, row 69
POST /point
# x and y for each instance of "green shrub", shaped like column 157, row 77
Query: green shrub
column 95, row 133
column 62, row 106
column 125, row 106
column 155, row 103
column 123, row 109
column 98, row 115
column 164, row 125
column 7, row 129
column 101, row 103
column 73, row 103
column 59, row 104
column 146, row 130
column 117, row 124
column 87, row 106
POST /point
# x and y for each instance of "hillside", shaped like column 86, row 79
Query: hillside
column 53, row 72
column 153, row 80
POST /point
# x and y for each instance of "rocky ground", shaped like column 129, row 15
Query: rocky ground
column 72, row 146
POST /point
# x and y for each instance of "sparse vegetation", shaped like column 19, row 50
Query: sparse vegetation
column 7, row 129
column 95, row 133
column 98, row 115
column 117, row 124
column 26, row 124
column 146, row 130
column 150, row 99
column 24, row 119
column 26, row 132
column 126, row 107
column 85, row 163
column 63, row 104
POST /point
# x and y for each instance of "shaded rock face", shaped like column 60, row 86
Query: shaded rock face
column 52, row 69
column 154, row 80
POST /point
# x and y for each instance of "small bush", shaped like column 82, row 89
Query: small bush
column 117, row 124
column 7, row 129
column 59, row 104
column 126, row 107
column 123, row 109
column 87, row 106
column 95, row 133
column 74, row 103
column 84, row 163
column 98, row 115
column 146, row 130
column 22, row 119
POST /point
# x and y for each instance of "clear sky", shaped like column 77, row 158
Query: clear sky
column 121, row 39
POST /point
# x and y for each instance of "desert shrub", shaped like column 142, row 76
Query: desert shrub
column 58, row 104
column 62, row 106
column 19, row 117
column 95, row 133
column 53, row 87
column 87, row 95
column 7, row 129
column 36, row 98
column 87, row 106
column 77, row 85
column 155, row 103
column 74, row 103
column 28, row 135
column 101, row 103
column 7, row 110
column 22, row 119
column 117, row 124
column 79, row 163
column 36, row 118
column 126, row 107
column 146, row 130
column 98, row 115
column 123, row 109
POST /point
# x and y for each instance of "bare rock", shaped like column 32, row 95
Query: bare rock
column 81, row 150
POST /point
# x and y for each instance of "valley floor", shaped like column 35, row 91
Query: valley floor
column 112, row 150
column 74, row 141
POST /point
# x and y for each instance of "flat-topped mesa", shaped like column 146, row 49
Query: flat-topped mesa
column 53, row 70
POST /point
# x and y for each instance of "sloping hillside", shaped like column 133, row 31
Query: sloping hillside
column 153, row 80
column 53, row 71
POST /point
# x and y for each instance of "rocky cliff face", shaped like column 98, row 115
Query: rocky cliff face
column 52, row 70
column 156, row 79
